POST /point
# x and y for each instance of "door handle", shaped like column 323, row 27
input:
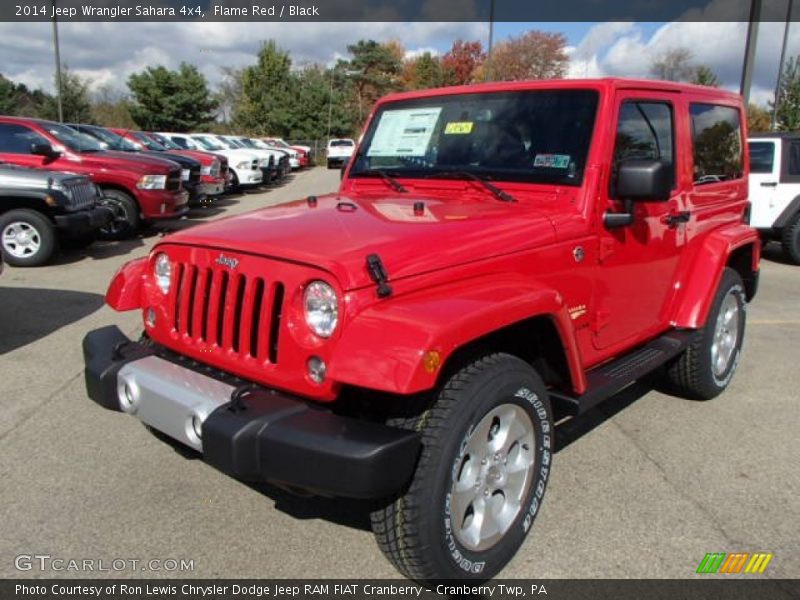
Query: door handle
column 769, row 184
column 675, row 218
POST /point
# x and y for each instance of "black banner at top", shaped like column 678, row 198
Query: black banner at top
column 395, row 10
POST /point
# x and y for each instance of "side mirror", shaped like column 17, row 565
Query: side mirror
column 639, row 181
column 44, row 150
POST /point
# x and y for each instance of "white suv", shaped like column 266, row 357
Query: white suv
column 775, row 189
column 339, row 151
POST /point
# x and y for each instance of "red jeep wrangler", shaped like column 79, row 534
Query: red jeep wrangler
column 495, row 251
column 136, row 187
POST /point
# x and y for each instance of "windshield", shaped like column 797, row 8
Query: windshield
column 531, row 136
column 166, row 142
column 114, row 141
column 247, row 143
column 278, row 143
column 147, row 141
column 75, row 141
column 234, row 143
column 208, row 143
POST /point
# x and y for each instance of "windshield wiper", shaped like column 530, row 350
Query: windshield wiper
column 393, row 183
column 496, row 191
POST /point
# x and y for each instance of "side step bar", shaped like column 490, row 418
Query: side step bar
column 612, row 377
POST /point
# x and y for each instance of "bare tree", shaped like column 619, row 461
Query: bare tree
column 675, row 64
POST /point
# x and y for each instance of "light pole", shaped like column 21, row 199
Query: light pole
column 491, row 42
column 777, row 100
column 58, row 66
column 750, row 50
column 330, row 97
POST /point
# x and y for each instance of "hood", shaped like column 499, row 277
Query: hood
column 339, row 232
column 184, row 161
column 128, row 160
column 24, row 177
column 204, row 158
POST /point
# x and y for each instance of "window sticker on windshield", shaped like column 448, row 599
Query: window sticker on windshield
column 405, row 132
column 458, row 128
column 552, row 161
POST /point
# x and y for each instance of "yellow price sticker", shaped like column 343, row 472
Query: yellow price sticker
column 458, row 128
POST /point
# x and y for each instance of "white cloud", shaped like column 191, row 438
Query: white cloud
column 109, row 52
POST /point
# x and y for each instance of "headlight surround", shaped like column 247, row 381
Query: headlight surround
column 321, row 308
column 162, row 271
column 152, row 182
column 245, row 164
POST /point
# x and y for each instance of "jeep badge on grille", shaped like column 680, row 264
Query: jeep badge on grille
column 227, row 261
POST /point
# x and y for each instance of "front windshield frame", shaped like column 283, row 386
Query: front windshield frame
column 72, row 139
column 540, row 159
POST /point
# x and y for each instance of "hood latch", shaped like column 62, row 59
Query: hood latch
column 378, row 274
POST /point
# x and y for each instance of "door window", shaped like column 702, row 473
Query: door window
column 716, row 143
column 644, row 132
column 18, row 139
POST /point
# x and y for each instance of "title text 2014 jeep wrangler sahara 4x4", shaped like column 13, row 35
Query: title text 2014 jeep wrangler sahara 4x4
column 493, row 250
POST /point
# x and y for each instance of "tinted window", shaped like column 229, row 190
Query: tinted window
column 17, row 139
column 644, row 132
column 717, row 141
column 341, row 143
column 536, row 136
column 762, row 156
column 794, row 158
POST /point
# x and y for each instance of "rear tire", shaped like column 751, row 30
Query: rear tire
column 481, row 475
column 28, row 238
column 707, row 366
column 790, row 240
column 126, row 221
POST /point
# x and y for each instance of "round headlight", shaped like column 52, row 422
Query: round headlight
column 321, row 308
column 163, row 272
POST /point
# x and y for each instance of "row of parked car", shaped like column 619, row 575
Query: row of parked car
column 76, row 182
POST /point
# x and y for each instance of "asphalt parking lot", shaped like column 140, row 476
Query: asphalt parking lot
column 644, row 486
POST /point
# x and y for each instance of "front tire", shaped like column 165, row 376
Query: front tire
column 707, row 366
column 126, row 221
column 790, row 240
column 487, row 448
column 28, row 239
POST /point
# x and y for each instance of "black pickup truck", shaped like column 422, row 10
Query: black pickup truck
column 38, row 208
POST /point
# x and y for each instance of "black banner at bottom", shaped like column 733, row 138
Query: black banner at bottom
column 733, row 588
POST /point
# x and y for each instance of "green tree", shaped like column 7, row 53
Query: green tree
column 266, row 100
column 758, row 119
column 703, row 75
column 111, row 109
column 423, row 72
column 169, row 100
column 74, row 99
column 16, row 99
column 376, row 69
column 788, row 114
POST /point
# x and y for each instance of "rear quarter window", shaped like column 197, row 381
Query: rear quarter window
column 762, row 156
column 716, row 143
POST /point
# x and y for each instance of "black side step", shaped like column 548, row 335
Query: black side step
column 613, row 377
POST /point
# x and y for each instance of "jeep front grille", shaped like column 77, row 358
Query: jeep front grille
column 231, row 310
column 84, row 194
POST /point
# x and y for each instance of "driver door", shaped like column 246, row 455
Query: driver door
column 638, row 262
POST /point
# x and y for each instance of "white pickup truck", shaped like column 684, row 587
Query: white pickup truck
column 775, row 189
column 244, row 166
column 339, row 151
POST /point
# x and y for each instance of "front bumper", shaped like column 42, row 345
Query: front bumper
column 214, row 188
column 84, row 221
column 246, row 431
